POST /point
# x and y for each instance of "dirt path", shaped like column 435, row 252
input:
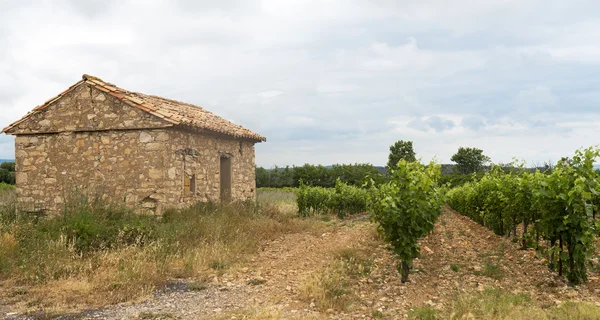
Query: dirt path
column 268, row 285
column 459, row 256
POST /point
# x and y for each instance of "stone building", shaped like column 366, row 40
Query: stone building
column 148, row 152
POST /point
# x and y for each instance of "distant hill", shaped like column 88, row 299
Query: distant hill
column 7, row 160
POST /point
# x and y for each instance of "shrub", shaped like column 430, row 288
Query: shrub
column 312, row 200
column 348, row 199
column 406, row 209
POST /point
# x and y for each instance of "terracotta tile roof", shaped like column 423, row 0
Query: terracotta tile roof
column 174, row 112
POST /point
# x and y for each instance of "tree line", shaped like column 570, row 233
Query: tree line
column 7, row 172
column 469, row 165
column 318, row 175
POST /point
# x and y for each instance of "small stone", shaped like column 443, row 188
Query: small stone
column 145, row 137
column 572, row 294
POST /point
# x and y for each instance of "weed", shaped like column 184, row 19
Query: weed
column 197, row 286
column 328, row 289
column 422, row 313
column 454, row 267
column 218, row 265
column 97, row 254
column 256, row 282
column 156, row 316
column 576, row 311
column 494, row 304
column 491, row 270
column 356, row 261
column 377, row 314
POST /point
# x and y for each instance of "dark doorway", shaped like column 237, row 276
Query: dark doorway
column 225, row 179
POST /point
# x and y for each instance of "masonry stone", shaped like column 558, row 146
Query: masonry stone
column 92, row 142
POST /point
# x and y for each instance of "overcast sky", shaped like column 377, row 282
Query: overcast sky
column 329, row 81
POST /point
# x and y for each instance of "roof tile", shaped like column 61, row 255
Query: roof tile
column 175, row 112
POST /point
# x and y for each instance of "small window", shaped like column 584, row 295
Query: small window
column 189, row 185
column 193, row 184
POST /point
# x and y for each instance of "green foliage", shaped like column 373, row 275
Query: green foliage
column 401, row 150
column 342, row 200
column 312, row 200
column 318, row 176
column 7, row 173
column 469, row 160
column 422, row 313
column 347, row 199
column 8, row 166
column 457, row 179
column 558, row 206
column 407, row 207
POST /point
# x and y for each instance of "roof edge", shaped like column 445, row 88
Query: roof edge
column 41, row 107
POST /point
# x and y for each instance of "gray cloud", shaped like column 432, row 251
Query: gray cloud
column 480, row 73
column 436, row 123
column 473, row 122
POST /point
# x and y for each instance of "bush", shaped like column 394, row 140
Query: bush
column 342, row 200
column 348, row 199
column 312, row 200
column 558, row 206
column 406, row 209
column 7, row 173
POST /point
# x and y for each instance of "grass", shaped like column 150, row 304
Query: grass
column 329, row 289
column 423, row 313
column 197, row 286
column 156, row 316
column 356, row 262
column 454, row 267
column 95, row 254
column 497, row 304
column 491, row 269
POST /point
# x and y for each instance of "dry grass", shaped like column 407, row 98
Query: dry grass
column 329, row 289
column 285, row 199
column 496, row 304
column 42, row 267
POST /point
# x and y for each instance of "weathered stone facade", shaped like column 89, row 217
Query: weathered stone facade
column 91, row 142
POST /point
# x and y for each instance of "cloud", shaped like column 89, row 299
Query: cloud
column 473, row 123
column 436, row 123
column 329, row 81
column 536, row 99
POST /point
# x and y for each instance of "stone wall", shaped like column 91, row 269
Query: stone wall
column 145, row 168
column 87, row 109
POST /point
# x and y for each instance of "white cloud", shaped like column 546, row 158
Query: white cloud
column 299, row 121
column 333, row 80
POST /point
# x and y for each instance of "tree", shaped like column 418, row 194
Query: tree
column 401, row 150
column 7, row 172
column 469, row 160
